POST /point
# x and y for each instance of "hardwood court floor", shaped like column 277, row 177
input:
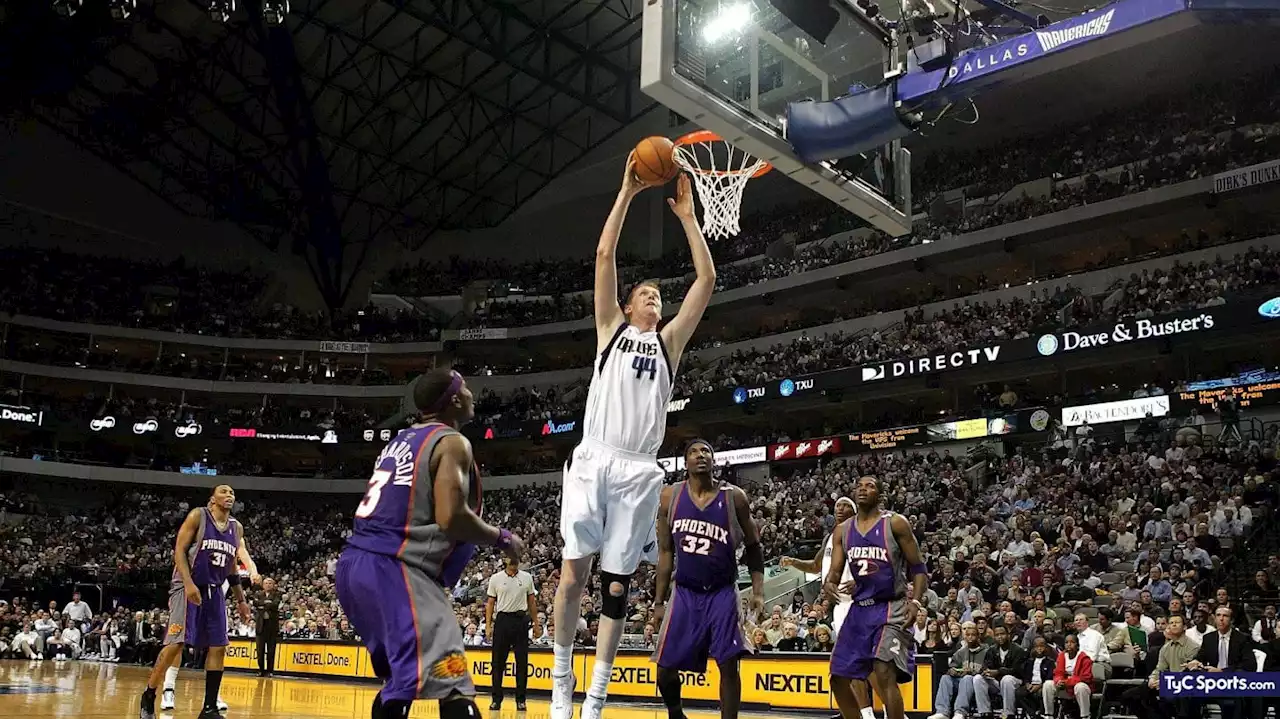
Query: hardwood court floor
column 45, row 690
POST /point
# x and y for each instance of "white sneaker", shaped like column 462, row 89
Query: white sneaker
column 592, row 707
column 562, row 696
column 168, row 700
column 958, row 715
column 937, row 715
column 222, row 706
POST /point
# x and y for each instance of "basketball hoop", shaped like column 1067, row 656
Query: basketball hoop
column 720, row 172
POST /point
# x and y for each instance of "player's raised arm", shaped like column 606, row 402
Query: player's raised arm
column 666, row 550
column 608, row 312
column 680, row 329
column 916, row 568
column 752, row 552
column 452, row 462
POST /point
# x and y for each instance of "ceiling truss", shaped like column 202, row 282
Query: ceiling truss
column 354, row 123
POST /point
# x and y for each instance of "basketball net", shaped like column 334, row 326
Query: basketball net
column 720, row 173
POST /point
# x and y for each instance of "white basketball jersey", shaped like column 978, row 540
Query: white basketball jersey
column 630, row 387
column 826, row 567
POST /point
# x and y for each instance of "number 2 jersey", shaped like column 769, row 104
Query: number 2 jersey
column 631, row 385
column 397, row 516
column 875, row 560
column 212, row 556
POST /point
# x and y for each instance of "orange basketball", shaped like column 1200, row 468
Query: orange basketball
column 655, row 160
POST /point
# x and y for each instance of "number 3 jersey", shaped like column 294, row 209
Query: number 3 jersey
column 706, row 540
column 397, row 517
column 630, row 387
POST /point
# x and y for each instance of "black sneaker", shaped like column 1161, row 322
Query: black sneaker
column 520, row 706
column 148, row 709
column 495, row 704
column 210, row 713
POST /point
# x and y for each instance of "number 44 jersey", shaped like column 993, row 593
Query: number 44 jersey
column 630, row 387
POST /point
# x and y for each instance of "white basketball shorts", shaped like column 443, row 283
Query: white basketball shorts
column 838, row 614
column 610, row 507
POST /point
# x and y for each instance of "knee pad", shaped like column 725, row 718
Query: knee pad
column 614, row 603
column 458, row 707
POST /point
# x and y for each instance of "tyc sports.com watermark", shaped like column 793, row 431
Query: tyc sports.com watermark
column 1219, row 685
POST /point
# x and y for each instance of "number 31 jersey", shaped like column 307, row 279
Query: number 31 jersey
column 630, row 387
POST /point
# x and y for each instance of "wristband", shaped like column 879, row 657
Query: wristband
column 915, row 569
column 504, row 540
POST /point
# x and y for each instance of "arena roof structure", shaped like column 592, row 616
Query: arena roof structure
column 336, row 123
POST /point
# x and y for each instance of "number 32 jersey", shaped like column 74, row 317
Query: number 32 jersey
column 631, row 385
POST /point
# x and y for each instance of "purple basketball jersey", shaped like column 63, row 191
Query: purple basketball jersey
column 212, row 556
column 706, row 540
column 874, row 629
column 875, row 561
column 396, row 518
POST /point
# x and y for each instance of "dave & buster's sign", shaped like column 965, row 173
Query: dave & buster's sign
column 1250, row 311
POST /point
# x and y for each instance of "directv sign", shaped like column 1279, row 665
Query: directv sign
column 932, row 363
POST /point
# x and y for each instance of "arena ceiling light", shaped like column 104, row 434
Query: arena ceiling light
column 122, row 9
column 274, row 12
column 67, row 8
column 220, row 10
column 730, row 20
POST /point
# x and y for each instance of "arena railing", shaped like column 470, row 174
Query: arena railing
column 989, row 238
column 1090, row 282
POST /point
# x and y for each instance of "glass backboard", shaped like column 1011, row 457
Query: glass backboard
column 733, row 66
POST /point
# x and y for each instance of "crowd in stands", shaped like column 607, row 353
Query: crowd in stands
column 176, row 297
column 1015, row 544
column 1161, row 141
column 968, row 324
column 975, row 324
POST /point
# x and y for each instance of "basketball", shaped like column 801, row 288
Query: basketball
column 655, row 160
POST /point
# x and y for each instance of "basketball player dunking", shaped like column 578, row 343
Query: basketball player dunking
column 209, row 546
column 415, row 530
column 612, row 482
column 821, row 565
column 701, row 523
column 875, row 644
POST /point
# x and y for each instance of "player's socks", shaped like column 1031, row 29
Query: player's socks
column 563, row 661
column 212, row 683
column 671, row 698
column 599, row 688
column 395, row 709
column 171, row 679
column 868, row 713
column 148, row 708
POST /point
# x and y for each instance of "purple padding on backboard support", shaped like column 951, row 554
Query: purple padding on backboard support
column 834, row 129
column 973, row 70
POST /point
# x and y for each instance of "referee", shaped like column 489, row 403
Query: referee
column 508, row 614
